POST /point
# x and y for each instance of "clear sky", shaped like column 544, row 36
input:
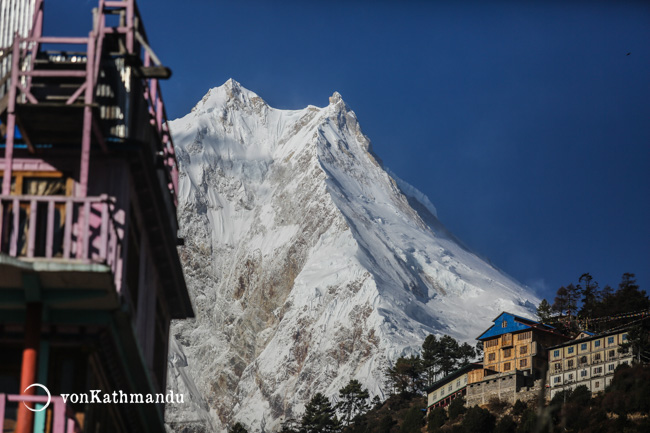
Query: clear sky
column 526, row 123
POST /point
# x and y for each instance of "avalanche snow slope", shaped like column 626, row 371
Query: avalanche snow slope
column 307, row 262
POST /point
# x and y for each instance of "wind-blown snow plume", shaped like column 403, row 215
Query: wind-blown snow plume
column 308, row 264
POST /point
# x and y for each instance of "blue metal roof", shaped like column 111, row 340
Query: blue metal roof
column 513, row 323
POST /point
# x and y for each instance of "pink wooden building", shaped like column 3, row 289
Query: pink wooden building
column 90, row 276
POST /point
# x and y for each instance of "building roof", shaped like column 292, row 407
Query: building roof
column 506, row 323
column 453, row 375
column 589, row 337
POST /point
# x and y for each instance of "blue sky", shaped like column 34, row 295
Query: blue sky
column 526, row 123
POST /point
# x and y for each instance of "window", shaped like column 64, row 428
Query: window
column 570, row 376
column 569, row 363
column 610, row 367
column 524, row 335
column 492, row 343
column 556, row 353
column 597, row 385
column 597, row 343
column 624, row 337
column 523, row 350
column 612, row 353
column 506, row 366
column 458, row 383
column 507, row 353
column 450, row 386
column 570, row 350
column 598, row 370
column 583, row 373
column 504, row 324
column 556, row 379
column 597, row 357
column 558, row 366
column 583, row 346
column 583, row 360
column 610, row 340
column 523, row 363
column 491, row 357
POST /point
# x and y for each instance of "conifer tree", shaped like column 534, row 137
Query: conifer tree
column 238, row 428
column 319, row 416
column 590, row 296
column 544, row 311
column 354, row 400
column 430, row 358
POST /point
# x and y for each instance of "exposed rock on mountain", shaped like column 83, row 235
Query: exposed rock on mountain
column 307, row 262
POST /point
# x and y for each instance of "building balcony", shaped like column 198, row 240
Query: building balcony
column 72, row 242
column 58, row 418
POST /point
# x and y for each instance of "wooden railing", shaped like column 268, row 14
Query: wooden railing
column 62, row 420
column 60, row 228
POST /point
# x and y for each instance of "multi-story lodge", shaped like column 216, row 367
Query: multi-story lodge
column 450, row 387
column 589, row 360
column 516, row 343
column 89, row 271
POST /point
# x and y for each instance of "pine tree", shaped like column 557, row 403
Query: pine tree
column 238, row 428
column 406, row 375
column 466, row 353
column 430, row 358
column 354, row 400
column 544, row 311
column 590, row 295
column 319, row 416
column 561, row 302
column 449, row 354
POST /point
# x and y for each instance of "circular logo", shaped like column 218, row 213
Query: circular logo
column 49, row 397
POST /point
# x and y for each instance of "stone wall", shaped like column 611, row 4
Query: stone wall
column 508, row 387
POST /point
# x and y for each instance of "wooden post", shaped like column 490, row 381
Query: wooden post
column 29, row 367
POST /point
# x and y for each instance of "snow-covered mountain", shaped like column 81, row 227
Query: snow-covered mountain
column 308, row 263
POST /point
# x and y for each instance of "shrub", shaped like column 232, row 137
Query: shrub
column 437, row 418
column 413, row 421
column 456, row 408
column 506, row 425
column 519, row 408
column 478, row 420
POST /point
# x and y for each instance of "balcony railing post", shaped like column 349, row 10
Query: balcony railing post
column 103, row 245
column 31, row 242
column 67, row 235
column 13, row 246
column 2, row 410
column 49, row 236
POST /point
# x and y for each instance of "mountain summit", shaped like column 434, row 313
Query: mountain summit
column 308, row 263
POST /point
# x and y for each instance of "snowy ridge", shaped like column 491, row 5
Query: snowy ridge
column 307, row 262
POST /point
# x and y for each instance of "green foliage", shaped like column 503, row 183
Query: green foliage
column 386, row 424
column 319, row 416
column 528, row 421
column 581, row 395
column 519, row 408
column 238, row 428
column 478, row 420
column 413, row 421
column 544, row 311
column 456, row 408
column 406, row 375
column 353, row 400
column 436, row 419
column 506, row 425
column 628, row 393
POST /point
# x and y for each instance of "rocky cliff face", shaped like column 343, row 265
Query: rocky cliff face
column 308, row 263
